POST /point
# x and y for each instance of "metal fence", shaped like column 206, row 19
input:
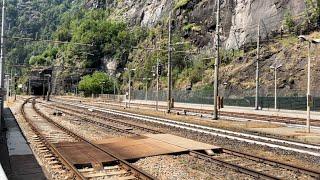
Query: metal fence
column 108, row 97
column 287, row 99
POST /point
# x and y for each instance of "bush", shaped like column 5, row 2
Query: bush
column 288, row 22
column 96, row 83
column 181, row 3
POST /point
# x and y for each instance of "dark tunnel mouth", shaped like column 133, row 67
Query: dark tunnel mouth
column 38, row 90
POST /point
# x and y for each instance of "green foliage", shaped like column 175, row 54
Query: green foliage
column 192, row 27
column 309, row 22
column 45, row 58
column 313, row 11
column 33, row 19
column 96, row 83
column 67, row 21
column 181, row 3
column 289, row 41
column 288, row 22
column 111, row 39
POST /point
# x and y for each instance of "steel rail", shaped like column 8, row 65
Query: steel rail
column 229, row 165
column 95, row 122
column 270, row 118
column 236, row 167
column 267, row 118
column 299, row 143
column 249, row 138
column 138, row 172
column 109, row 119
column 300, row 169
column 257, row 117
column 63, row 159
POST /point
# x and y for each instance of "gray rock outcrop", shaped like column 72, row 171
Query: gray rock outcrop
column 239, row 17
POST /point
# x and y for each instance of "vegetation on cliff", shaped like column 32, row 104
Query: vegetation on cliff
column 108, row 39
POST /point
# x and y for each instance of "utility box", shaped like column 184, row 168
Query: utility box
column 220, row 102
column 172, row 103
column 310, row 100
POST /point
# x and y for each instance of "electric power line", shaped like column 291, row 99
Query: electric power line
column 47, row 40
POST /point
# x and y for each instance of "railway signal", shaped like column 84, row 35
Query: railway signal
column 159, row 69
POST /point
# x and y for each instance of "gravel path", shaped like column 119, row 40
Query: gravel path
column 83, row 128
column 171, row 167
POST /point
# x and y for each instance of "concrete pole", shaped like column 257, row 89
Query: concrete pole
column 11, row 82
column 169, row 67
column 308, row 88
column 8, row 86
column 15, row 88
column 129, row 87
column 49, row 88
column 29, row 87
column 146, row 95
column 275, row 87
column 157, row 72
column 2, row 63
column 157, row 98
column 257, row 69
column 114, row 86
column 43, row 89
column 216, row 64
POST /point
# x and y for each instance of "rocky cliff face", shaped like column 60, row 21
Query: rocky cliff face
column 196, row 18
column 248, row 13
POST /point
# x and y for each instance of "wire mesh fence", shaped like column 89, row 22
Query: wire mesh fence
column 286, row 98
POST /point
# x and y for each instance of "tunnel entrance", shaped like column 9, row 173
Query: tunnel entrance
column 39, row 81
column 38, row 90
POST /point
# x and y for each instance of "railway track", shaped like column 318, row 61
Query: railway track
column 246, row 116
column 47, row 150
column 288, row 145
column 230, row 115
column 245, row 163
column 49, row 133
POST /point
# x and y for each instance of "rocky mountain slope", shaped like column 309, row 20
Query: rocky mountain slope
column 194, row 24
column 239, row 17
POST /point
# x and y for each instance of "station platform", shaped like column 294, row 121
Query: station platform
column 17, row 159
column 251, row 110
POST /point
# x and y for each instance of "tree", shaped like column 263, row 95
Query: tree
column 96, row 83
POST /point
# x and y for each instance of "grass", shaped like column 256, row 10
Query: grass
column 181, row 3
column 191, row 26
column 288, row 41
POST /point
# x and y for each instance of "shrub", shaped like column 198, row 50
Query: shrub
column 288, row 22
column 181, row 3
column 96, row 83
